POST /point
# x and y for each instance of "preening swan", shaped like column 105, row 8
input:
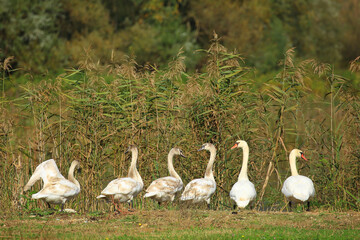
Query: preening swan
column 297, row 188
column 165, row 188
column 243, row 190
column 124, row 189
column 56, row 189
column 203, row 188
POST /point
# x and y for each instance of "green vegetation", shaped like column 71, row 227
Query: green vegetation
column 50, row 35
column 92, row 114
column 185, row 224
column 81, row 80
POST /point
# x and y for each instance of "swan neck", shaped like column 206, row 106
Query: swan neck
column 71, row 177
column 243, row 173
column 292, row 159
column 209, row 171
column 172, row 171
column 133, row 172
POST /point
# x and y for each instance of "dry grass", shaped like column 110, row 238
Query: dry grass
column 179, row 224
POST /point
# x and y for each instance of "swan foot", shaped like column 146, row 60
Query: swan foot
column 290, row 206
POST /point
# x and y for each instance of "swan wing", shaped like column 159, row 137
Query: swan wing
column 123, row 186
column 298, row 187
column 167, row 185
column 62, row 188
column 199, row 189
column 45, row 171
column 243, row 192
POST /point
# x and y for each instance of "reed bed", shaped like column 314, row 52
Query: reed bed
column 93, row 113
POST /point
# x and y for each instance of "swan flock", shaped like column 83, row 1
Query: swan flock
column 57, row 190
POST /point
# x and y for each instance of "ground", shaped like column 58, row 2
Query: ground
column 184, row 224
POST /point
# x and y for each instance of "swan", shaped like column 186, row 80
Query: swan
column 57, row 189
column 243, row 191
column 202, row 189
column 298, row 188
column 165, row 188
column 124, row 189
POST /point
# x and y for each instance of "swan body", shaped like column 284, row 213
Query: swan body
column 297, row 188
column 164, row 189
column 125, row 189
column 202, row 189
column 243, row 191
column 57, row 189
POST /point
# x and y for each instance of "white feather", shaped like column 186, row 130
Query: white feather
column 164, row 189
column 127, row 188
column 202, row 189
column 199, row 190
column 57, row 189
column 298, row 188
column 243, row 192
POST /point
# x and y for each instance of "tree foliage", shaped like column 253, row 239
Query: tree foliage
column 49, row 35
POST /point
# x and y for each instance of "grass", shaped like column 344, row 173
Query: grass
column 185, row 224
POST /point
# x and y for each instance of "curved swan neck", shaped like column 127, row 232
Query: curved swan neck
column 133, row 172
column 292, row 159
column 172, row 171
column 243, row 172
column 71, row 173
column 209, row 172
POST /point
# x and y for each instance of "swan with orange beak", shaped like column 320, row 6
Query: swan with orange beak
column 298, row 188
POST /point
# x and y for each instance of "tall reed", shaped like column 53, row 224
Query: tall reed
column 93, row 113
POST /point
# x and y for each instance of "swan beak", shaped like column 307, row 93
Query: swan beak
column 303, row 157
column 235, row 146
column 182, row 155
column 202, row 148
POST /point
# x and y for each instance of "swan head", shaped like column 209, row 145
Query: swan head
column 298, row 154
column 240, row 144
column 177, row 151
column 131, row 148
column 207, row 146
column 76, row 165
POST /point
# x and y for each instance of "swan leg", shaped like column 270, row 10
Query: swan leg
column 290, row 206
column 131, row 206
column 236, row 209
column 208, row 204
column 308, row 206
column 252, row 205
column 116, row 207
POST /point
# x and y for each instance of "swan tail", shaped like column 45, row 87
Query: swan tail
column 301, row 197
column 101, row 196
column 149, row 194
column 242, row 204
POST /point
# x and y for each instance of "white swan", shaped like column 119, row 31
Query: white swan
column 297, row 188
column 203, row 188
column 165, row 188
column 243, row 190
column 124, row 189
column 56, row 189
